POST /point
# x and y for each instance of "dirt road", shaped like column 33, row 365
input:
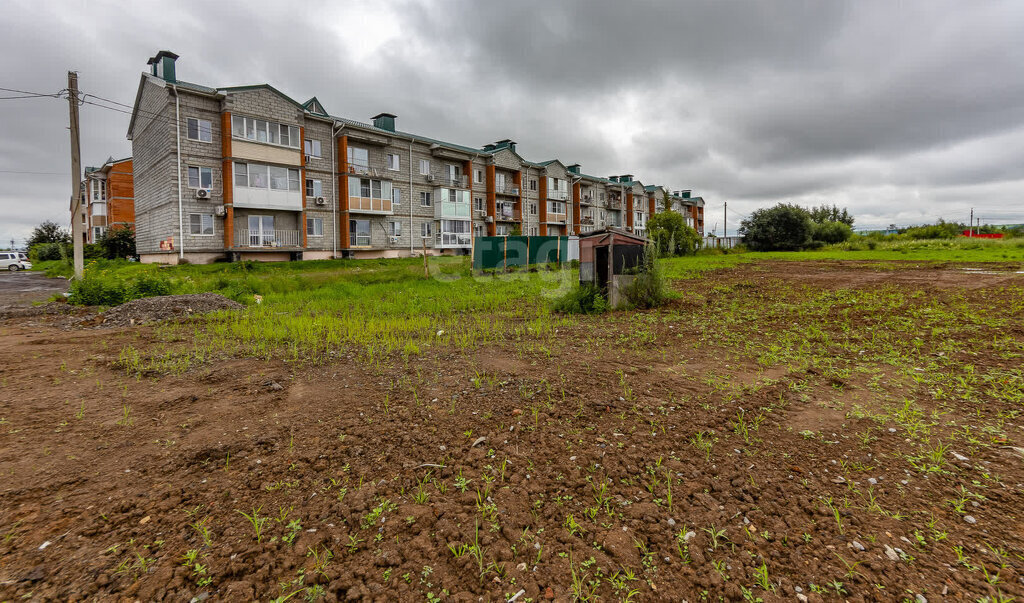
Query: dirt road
column 28, row 287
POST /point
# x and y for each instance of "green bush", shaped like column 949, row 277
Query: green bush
column 939, row 230
column 648, row 288
column 148, row 285
column 581, row 299
column 95, row 290
column 831, row 233
column 784, row 227
column 118, row 242
column 670, row 233
column 44, row 252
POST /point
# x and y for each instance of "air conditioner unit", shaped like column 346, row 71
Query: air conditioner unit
column 220, row 212
column 320, row 201
column 394, row 240
column 202, row 193
column 430, row 177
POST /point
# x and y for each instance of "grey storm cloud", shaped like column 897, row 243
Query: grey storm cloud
column 902, row 112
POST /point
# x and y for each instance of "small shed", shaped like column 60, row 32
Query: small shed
column 607, row 259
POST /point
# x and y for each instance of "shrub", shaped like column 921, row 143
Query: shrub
column 784, row 227
column 148, row 285
column 939, row 230
column 670, row 233
column 831, row 233
column 648, row 288
column 118, row 243
column 581, row 299
column 96, row 290
column 44, row 252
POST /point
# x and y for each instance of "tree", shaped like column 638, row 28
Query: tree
column 784, row 227
column 825, row 213
column 118, row 242
column 670, row 233
column 48, row 232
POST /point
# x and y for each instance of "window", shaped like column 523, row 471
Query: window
column 424, row 199
column 396, row 196
column 427, row 229
column 99, row 189
column 200, row 224
column 97, row 234
column 453, row 172
column 424, row 167
column 478, row 204
column 200, row 177
column 311, row 148
column 254, row 175
column 262, row 130
column 314, row 227
column 533, row 209
column 478, row 176
column 533, row 184
column 358, row 158
column 502, row 230
column 395, row 229
column 533, row 230
column 366, row 188
column 359, row 232
column 602, row 195
column 314, row 188
column 199, row 129
column 478, row 230
column 394, row 163
column 499, row 181
column 556, row 207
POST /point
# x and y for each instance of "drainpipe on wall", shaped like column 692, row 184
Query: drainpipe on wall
column 177, row 136
column 410, row 198
column 334, row 186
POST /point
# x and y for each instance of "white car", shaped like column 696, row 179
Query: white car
column 14, row 261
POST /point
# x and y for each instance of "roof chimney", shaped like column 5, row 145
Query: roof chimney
column 574, row 168
column 384, row 121
column 162, row 66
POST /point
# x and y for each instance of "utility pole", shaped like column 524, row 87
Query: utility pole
column 76, row 176
column 970, row 227
column 725, row 219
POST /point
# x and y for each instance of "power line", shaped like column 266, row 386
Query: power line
column 58, row 93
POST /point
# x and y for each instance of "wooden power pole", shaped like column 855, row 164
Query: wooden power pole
column 76, row 177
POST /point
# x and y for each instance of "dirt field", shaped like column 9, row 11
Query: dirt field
column 812, row 430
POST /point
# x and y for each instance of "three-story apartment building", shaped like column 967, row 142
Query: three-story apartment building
column 247, row 172
column 109, row 195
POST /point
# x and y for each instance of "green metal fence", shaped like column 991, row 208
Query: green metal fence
column 498, row 252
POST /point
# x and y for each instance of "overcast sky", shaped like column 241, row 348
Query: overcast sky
column 903, row 112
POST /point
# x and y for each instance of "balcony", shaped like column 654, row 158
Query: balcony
column 509, row 213
column 456, row 182
column 587, row 200
column 368, row 205
column 558, row 195
column 555, row 218
column 365, row 170
column 587, row 220
column 268, row 239
column 454, row 210
column 453, row 240
column 507, row 189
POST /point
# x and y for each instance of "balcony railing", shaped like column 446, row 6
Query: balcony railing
column 558, row 195
column 367, row 205
column 612, row 204
column 363, row 170
column 586, row 200
column 586, row 220
column 509, row 214
column 556, row 218
column 268, row 238
column 452, row 239
column 457, row 182
column 508, row 189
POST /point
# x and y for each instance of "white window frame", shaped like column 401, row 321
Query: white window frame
column 202, row 219
column 274, row 133
column 396, row 195
column 318, row 225
column 265, row 170
column 201, row 170
column 426, row 230
column 199, row 129
column 312, row 148
column 394, row 162
column 394, row 228
column 351, row 159
column 426, row 196
column 424, row 167
column 478, row 176
column 311, row 185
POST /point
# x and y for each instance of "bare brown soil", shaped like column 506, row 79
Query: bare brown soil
column 97, row 504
